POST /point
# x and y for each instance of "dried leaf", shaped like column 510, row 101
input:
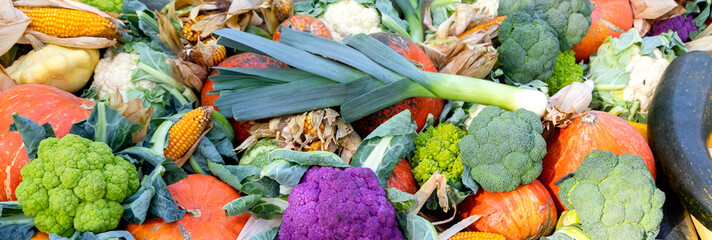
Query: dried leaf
column 209, row 24
column 436, row 181
column 568, row 103
column 651, row 9
column 167, row 33
column 642, row 25
column 464, row 13
column 188, row 73
column 134, row 111
column 470, row 60
column 275, row 12
column 700, row 44
column 78, row 42
column 5, row 81
column 435, row 55
column 13, row 26
column 459, row 227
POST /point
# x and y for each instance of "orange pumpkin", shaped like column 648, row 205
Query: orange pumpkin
column 528, row 212
column 609, row 18
column 402, row 178
column 305, row 23
column 419, row 107
column 203, row 197
column 593, row 130
column 40, row 236
column 42, row 104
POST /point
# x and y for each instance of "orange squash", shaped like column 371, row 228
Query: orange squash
column 402, row 178
column 609, row 18
column 593, row 130
column 42, row 104
column 40, row 236
column 305, row 23
column 528, row 212
column 203, row 197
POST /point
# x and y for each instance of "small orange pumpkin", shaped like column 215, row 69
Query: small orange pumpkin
column 305, row 23
column 203, row 197
column 609, row 18
column 402, row 178
column 527, row 213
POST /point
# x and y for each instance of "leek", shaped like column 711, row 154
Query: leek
column 371, row 77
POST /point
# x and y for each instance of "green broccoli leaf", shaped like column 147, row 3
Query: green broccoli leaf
column 31, row 133
column 241, row 205
column 386, row 146
column 402, row 201
column 152, row 200
column 106, row 125
column 14, row 224
column 257, row 205
column 111, row 235
column 270, row 234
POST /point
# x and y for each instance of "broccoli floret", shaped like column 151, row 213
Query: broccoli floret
column 75, row 184
column 331, row 203
column 529, row 48
column 114, row 6
column 565, row 72
column 614, row 196
column 437, row 150
column 503, row 149
column 569, row 18
column 258, row 154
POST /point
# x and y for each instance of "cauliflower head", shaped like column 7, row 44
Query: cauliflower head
column 258, row 154
column 614, row 196
column 436, row 149
column 503, row 149
column 345, row 204
column 350, row 17
column 569, row 18
column 75, row 184
column 113, row 73
column 645, row 74
column 529, row 48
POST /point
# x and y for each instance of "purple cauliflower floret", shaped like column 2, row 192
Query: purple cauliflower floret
column 331, row 203
column 680, row 24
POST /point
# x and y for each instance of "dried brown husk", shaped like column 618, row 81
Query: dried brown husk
column 568, row 103
column 78, row 42
column 134, row 111
column 700, row 44
column 473, row 56
column 651, row 9
column 642, row 25
column 189, row 73
column 13, row 23
column 242, row 13
column 203, row 5
column 275, row 12
column 436, row 181
column 334, row 134
column 5, row 81
column 190, row 67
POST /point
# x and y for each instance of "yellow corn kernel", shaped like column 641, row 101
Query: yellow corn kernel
column 68, row 23
column 317, row 146
column 186, row 131
column 476, row 236
column 483, row 26
column 219, row 51
column 188, row 32
column 308, row 129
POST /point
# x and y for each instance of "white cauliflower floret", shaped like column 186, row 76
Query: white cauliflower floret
column 645, row 75
column 349, row 17
column 487, row 7
column 114, row 73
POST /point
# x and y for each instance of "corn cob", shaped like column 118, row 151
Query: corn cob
column 483, row 26
column 186, row 131
column 476, row 236
column 218, row 52
column 68, row 23
column 188, row 33
column 309, row 130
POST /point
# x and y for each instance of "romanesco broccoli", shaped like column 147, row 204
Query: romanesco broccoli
column 114, row 6
column 437, row 150
column 503, row 149
column 565, row 72
column 75, row 184
column 258, row 154
column 614, row 196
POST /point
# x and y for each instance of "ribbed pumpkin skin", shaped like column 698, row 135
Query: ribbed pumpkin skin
column 199, row 192
column 419, row 106
column 305, row 23
column 593, row 130
column 42, row 104
column 402, row 178
column 605, row 12
column 528, row 212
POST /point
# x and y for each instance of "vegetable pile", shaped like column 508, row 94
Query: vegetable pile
column 355, row 119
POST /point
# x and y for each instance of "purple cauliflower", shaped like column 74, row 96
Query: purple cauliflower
column 331, row 203
column 680, row 24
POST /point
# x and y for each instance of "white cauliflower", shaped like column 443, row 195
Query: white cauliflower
column 487, row 7
column 349, row 17
column 114, row 73
column 645, row 75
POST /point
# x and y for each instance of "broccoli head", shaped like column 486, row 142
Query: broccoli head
column 331, row 203
column 569, row 18
column 614, row 196
column 436, row 149
column 258, row 154
column 503, row 149
column 75, row 184
column 529, row 48
column 565, row 72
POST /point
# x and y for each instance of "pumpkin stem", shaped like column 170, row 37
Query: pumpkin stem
column 589, row 117
column 193, row 212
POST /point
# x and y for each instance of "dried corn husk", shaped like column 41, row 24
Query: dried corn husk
column 5, row 81
column 651, row 9
column 13, row 23
column 334, row 134
column 642, row 25
column 568, row 103
column 78, row 42
column 473, row 56
column 275, row 12
column 700, row 44
column 134, row 111
column 436, row 181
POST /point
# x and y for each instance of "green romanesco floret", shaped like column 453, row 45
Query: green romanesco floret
column 614, row 196
column 503, row 149
column 258, row 154
column 436, row 149
column 565, row 72
column 114, row 6
column 569, row 18
column 529, row 48
column 75, row 184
